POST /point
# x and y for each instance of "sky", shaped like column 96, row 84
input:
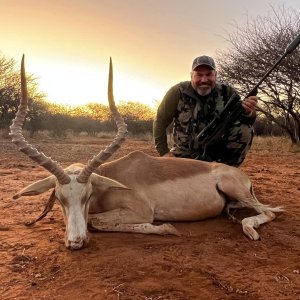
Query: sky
column 68, row 43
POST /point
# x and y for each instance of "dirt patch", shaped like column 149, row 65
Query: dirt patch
column 211, row 260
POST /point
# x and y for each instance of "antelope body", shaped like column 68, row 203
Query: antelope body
column 129, row 193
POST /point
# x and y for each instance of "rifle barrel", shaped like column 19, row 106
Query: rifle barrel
column 253, row 92
column 289, row 49
column 293, row 45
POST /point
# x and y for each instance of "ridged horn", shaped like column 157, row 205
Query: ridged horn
column 103, row 155
column 17, row 137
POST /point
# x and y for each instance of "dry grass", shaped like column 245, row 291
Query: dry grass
column 274, row 143
column 71, row 137
column 266, row 144
column 260, row 143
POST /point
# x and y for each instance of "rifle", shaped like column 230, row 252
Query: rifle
column 233, row 110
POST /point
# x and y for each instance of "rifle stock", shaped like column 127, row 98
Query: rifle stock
column 217, row 127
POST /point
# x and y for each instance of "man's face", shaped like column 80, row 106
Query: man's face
column 203, row 80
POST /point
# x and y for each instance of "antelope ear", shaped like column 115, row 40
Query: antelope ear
column 103, row 182
column 37, row 187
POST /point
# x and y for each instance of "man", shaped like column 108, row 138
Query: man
column 191, row 105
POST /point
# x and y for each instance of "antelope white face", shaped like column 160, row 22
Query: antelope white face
column 74, row 199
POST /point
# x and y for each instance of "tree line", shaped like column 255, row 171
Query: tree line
column 57, row 119
column 252, row 50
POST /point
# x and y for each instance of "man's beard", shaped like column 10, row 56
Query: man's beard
column 203, row 91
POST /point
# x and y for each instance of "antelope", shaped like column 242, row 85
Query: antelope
column 130, row 193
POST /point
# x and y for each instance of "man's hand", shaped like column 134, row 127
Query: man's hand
column 249, row 104
column 168, row 154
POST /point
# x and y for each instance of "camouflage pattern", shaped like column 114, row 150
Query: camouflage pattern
column 193, row 115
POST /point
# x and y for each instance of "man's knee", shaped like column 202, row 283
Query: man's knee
column 238, row 144
column 240, row 135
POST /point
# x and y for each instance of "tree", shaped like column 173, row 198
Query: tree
column 253, row 49
column 38, row 110
column 10, row 93
column 134, row 111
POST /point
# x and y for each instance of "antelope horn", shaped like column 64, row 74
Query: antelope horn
column 16, row 135
column 103, row 155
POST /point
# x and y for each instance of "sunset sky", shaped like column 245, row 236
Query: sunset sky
column 68, row 43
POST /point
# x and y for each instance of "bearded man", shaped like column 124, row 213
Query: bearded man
column 191, row 105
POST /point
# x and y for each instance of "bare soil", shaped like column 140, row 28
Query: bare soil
column 211, row 260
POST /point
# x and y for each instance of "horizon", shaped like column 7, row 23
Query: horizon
column 67, row 44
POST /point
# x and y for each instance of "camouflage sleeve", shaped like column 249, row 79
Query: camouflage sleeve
column 165, row 115
column 248, row 120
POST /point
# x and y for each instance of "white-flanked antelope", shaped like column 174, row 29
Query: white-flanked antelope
column 128, row 194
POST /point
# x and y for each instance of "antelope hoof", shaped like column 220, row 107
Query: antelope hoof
column 251, row 232
column 170, row 229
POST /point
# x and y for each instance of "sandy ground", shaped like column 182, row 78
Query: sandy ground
column 211, row 260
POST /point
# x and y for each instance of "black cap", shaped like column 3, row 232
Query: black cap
column 203, row 60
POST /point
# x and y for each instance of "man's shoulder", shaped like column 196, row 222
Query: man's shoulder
column 182, row 85
column 176, row 90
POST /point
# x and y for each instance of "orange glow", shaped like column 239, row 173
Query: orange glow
column 68, row 43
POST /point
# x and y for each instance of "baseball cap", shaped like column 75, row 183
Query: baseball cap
column 203, row 60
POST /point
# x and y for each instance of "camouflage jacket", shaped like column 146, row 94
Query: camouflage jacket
column 190, row 113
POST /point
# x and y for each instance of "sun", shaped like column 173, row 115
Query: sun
column 78, row 84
